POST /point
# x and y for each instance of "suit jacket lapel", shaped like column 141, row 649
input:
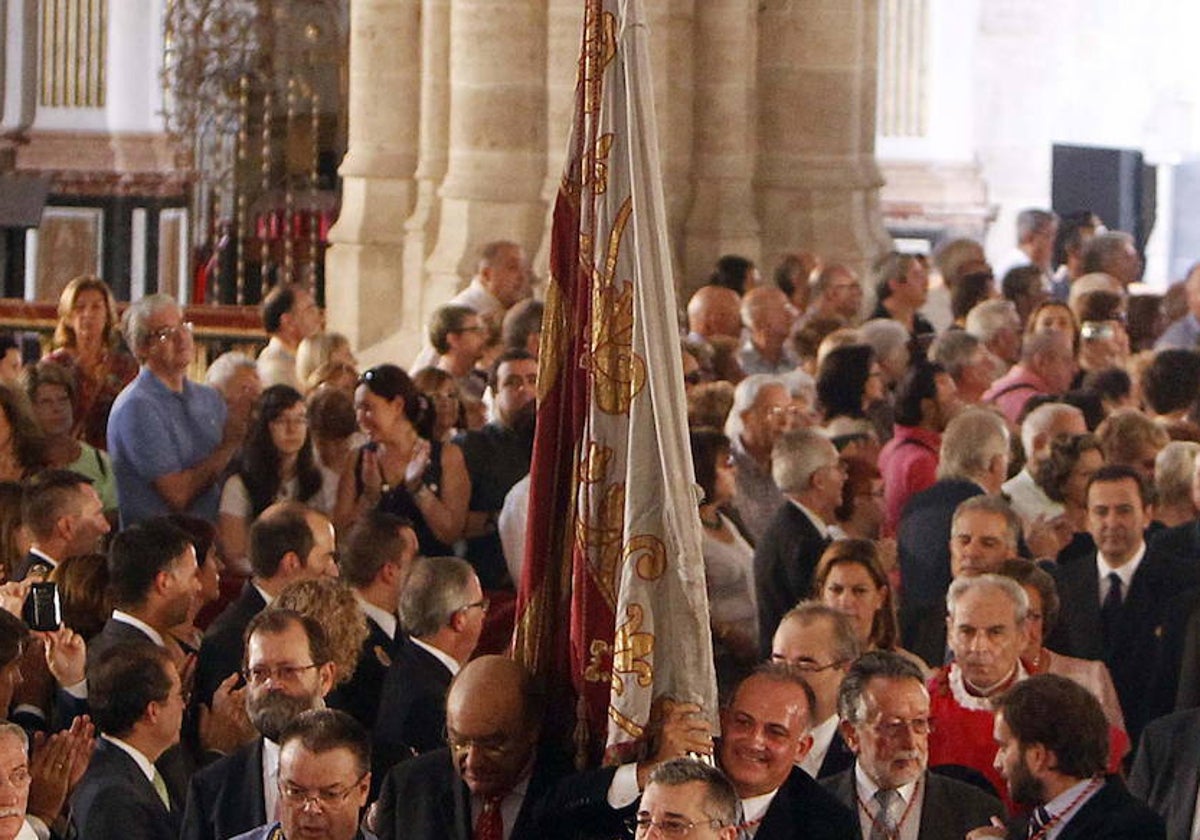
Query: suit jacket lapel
column 252, row 783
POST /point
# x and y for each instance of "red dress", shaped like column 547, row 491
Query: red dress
column 94, row 397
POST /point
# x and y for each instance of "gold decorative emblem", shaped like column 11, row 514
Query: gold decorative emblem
column 631, row 651
column 648, row 554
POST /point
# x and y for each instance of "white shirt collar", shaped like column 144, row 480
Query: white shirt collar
column 270, row 775
column 1125, row 572
column 126, row 618
column 266, row 596
column 446, row 659
column 755, row 808
column 1060, row 803
column 387, row 621
column 964, row 698
column 817, row 521
column 144, row 764
column 822, row 735
column 33, row 549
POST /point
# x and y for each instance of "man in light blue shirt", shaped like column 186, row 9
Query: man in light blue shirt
column 1184, row 334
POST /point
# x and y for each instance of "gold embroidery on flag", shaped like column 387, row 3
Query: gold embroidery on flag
column 631, row 651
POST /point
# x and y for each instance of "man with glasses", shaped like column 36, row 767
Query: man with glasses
column 837, row 294
column 490, row 780
column 807, row 470
column 688, row 798
column 137, row 703
column 14, row 765
column 821, row 643
column 324, row 779
column 442, row 607
column 459, row 336
column 288, row 670
column 170, row 439
column 884, row 709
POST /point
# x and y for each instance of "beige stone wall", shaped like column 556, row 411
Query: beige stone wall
column 767, row 115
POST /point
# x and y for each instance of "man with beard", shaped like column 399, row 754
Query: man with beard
column 884, row 709
column 497, row 457
column 288, row 670
column 1051, row 744
column 324, row 759
column 153, row 580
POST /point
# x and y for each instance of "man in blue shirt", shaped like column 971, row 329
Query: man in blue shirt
column 170, row 439
column 1184, row 334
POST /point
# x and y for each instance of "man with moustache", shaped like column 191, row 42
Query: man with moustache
column 14, row 769
column 1051, row 747
column 884, row 710
column 288, row 670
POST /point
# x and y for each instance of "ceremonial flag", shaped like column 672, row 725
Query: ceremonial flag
column 612, row 607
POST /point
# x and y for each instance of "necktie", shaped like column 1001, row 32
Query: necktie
column 160, row 787
column 490, row 824
column 1110, row 611
column 1038, row 821
column 883, row 827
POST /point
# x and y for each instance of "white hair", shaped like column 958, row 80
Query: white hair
column 745, row 395
column 884, row 335
column 796, row 458
column 1040, row 421
column 1173, row 469
column 987, row 319
column 1008, row 587
column 970, row 443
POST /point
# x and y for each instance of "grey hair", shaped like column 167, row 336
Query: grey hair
column 1041, row 419
column 994, row 505
column 845, row 638
column 1032, row 221
column 970, row 442
column 884, row 335
column 874, row 664
column 960, row 586
column 953, row 350
column 1174, row 467
column 719, row 794
column 436, row 589
column 987, row 319
column 224, row 367
column 745, row 395
column 797, row 456
column 135, row 323
column 1042, row 343
column 7, row 728
column 1099, row 250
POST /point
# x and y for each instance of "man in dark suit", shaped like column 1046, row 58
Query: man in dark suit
column 288, row 671
column 288, row 543
column 443, row 607
column 973, row 460
column 376, row 562
column 821, row 642
column 884, row 708
column 1052, row 748
column 1114, row 602
column 64, row 516
column 153, row 578
column 137, row 704
column 1166, row 769
column 324, row 758
column 488, row 779
column 805, row 466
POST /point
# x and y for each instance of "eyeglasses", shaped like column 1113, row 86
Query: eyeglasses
column 18, row 778
column 482, row 603
column 298, row 797
column 894, row 729
column 165, row 334
column 669, row 827
column 283, row 673
column 803, row 663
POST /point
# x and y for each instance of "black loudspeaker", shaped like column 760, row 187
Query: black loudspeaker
column 1115, row 184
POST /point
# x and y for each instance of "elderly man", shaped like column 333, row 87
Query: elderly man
column 688, row 797
column 970, row 364
column 1041, row 427
column 290, row 314
column 885, row 718
column 808, row 471
column 820, row 642
column 488, row 781
column 170, row 439
column 288, row 670
column 973, row 460
column 837, row 294
column 767, row 316
column 998, row 325
column 1051, row 748
column 1036, row 230
column 1047, row 366
column 1184, row 334
column 14, row 765
column 1113, row 253
column 324, row 760
column 760, row 412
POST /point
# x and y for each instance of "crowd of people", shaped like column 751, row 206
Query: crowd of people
column 951, row 541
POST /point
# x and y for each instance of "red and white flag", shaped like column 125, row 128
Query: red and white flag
column 612, row 609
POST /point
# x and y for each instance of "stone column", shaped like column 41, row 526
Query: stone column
column 674, row 57
column 364, row 289
column 721, row 217
column 818, row 185
column 497, row 160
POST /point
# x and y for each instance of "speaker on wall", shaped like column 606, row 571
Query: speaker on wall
column 1115, row 184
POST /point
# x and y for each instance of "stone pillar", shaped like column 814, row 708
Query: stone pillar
column 497, row 164
column 674, row 58
column 721, row 218
column 363, row 266
column 818, row 184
